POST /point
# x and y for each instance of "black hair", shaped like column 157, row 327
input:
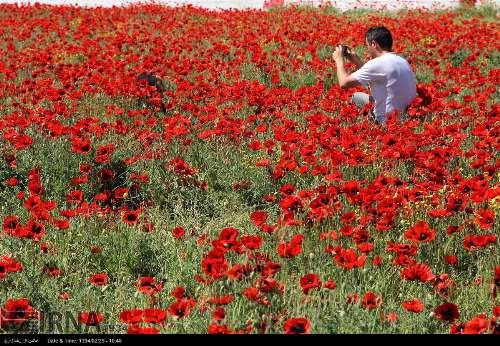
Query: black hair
column 381, row 35
column 152, row 81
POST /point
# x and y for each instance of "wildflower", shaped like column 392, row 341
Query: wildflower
column 297, row 325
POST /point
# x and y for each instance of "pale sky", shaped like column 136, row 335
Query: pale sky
column 240, row 4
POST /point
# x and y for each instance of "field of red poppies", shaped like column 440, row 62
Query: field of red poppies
column 260, row 201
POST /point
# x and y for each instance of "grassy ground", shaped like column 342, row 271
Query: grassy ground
column 219, row 72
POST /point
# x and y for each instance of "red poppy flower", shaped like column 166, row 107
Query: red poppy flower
column 267, row 284
column 352, row 298
column 181, row 308
column 413, row 305
column 485, row 218
column 419, row 272
column 228, row 237
column 148, row 285
column 452, row 260
column 106, row 175
column 443, row 285
column 215, row 267
column 377, row 261
column 11, row 161
column 454, row 229
column 222, row 300
column 330, row 284
column 75, row 197
column 236, row 272
column 181, row 167
column 252, row 242
column 391, row 317
column 348, row 218
column 219, row 314
column 447, row 312
column 292, row 249
column 287, row 189
column 179, row 293
column 421, row 233
column 457, row 328
column 99, row 279
column 496, row 311
column 291, row 204
column 475, row 242
column 477, row 325
column 152, row 315
column 258, row 217
column 365, row 247
column 178, row 232
column 298, row 325
column 81, row 145
column 64, row 295
column 269, row 198
column 8, row 265
column 85, row 168
column 132, row 316
column 11, row 224
column 371, row 301
column 52, row 271
column 347, row 230
column 35, row 230
column 18, row 311
column 131, row 216
column 309, row 281
column 268, row 229
column 136, row 329
column 104, row 152
column 214, row 328
column 61, row 224
column 13, row 181
column 349, row 259
column 456, row 203
column 255, row 295
column 90, row 318
column 121, row 192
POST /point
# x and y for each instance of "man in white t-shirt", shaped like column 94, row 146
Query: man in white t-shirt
column 389, row 76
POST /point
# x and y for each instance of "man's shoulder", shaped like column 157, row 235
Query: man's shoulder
column 372, row 63
column 396, row 57
column 393, row 59
column 384, row 59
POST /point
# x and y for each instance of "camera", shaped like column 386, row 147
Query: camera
column 345, row 52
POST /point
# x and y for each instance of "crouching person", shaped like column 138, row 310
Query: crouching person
column 145, row 79
column 389, row 77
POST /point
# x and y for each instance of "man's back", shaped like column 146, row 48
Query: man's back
column 391, row 81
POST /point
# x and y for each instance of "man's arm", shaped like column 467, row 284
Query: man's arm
column 346, row 81
column 354, row 58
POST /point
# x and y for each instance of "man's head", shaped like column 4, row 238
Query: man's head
column 151, row 80
column 378, row 39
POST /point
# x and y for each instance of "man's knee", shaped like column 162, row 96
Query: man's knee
column 352, row 99
column 360, row 99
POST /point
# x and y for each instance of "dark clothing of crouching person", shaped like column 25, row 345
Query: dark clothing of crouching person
column 146, row 79
column 389, row 77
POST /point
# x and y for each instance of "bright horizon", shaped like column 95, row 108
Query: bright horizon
column 241, row 4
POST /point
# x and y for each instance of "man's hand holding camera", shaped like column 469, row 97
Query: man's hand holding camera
column 343, row 51
column 338, row 55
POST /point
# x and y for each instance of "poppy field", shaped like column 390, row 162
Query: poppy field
column 260, row 200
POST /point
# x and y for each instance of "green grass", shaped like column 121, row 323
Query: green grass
column 129, row 253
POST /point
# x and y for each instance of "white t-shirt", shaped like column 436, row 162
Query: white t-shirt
column 391, row 81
